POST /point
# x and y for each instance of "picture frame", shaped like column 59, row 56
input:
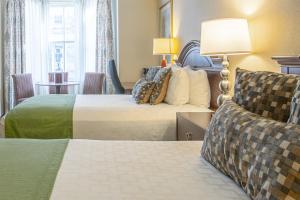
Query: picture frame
column 166, row 21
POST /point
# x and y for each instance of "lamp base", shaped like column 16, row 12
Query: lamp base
column 224, row 84
column 163, row 63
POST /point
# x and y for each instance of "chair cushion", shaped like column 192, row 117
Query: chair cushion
column 265, row 93
column 143, row 91
column 295, row 107
column 161, row 80
column 261, row 155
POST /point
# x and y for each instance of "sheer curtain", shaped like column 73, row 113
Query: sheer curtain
column 89, row 34
column 36, row 39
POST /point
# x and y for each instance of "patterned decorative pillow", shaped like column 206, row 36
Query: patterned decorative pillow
column 135, row 87
column 259, row 154
column 161, row 80
column 265, row 93
column 148, row 75
column 143, row 92
column 151, row 72
column 295, row 107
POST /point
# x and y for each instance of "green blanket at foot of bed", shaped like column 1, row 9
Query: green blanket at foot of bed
column 28, row 168
column 42, row 117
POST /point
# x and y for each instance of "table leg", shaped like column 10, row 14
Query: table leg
column 58, row 89
column 37, row 91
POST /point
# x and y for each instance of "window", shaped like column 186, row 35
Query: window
column 63, row 38
column 60, row 36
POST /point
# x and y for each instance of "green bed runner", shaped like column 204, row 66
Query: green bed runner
column 28, row 168
column 42, row 117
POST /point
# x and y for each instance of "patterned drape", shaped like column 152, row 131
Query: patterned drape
column 14, row 47
column 104, row 39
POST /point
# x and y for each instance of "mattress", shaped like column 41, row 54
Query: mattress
column 118, row 117
column 115, row 170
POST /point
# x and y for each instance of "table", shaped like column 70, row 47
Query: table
column 57, row 85
column 128, row 86
column 192, row 125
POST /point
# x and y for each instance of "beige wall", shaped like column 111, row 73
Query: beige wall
column 274, row 26
column 137, row 26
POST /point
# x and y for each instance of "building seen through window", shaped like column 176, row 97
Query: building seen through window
column 63, row 38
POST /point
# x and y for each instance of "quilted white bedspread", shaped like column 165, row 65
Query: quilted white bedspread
column 118, row 117
column 134, row 170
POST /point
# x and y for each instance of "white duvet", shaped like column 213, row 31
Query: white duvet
column 135, row 170
column 118, row 117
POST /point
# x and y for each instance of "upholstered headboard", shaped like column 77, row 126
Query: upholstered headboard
column 190, row 55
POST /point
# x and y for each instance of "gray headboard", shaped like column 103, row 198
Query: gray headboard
column 190, row 55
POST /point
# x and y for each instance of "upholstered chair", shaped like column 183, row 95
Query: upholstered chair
column 112, row 71
column 23, row 87
column 63, row 89
column 93, row 83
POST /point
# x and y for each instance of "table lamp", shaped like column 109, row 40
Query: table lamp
column 164, row 46
column 225, row 37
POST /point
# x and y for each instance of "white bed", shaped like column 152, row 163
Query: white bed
column 118, row 117
column 140, row 170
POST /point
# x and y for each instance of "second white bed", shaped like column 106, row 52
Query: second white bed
column 128, row 170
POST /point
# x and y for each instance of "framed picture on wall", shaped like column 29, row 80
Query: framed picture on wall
column 166, row 20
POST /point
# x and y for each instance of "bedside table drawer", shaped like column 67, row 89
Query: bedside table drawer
column 187, row 131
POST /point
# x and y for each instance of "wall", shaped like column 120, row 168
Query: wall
column 138, row 24
column 274, row 27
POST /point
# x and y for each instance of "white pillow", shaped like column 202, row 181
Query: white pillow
column 199, row 94
column 178, row 89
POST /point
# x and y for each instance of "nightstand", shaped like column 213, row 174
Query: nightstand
column 128, row 87
column 192, row 125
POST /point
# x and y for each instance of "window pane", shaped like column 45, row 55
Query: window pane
column 63, row 39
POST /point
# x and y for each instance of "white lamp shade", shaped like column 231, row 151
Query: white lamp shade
column 225, row 37
column 164, row 46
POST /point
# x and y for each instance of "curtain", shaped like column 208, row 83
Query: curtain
column 14, row 47
column 36, row 40
column 89, row 34
column 104, row 39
